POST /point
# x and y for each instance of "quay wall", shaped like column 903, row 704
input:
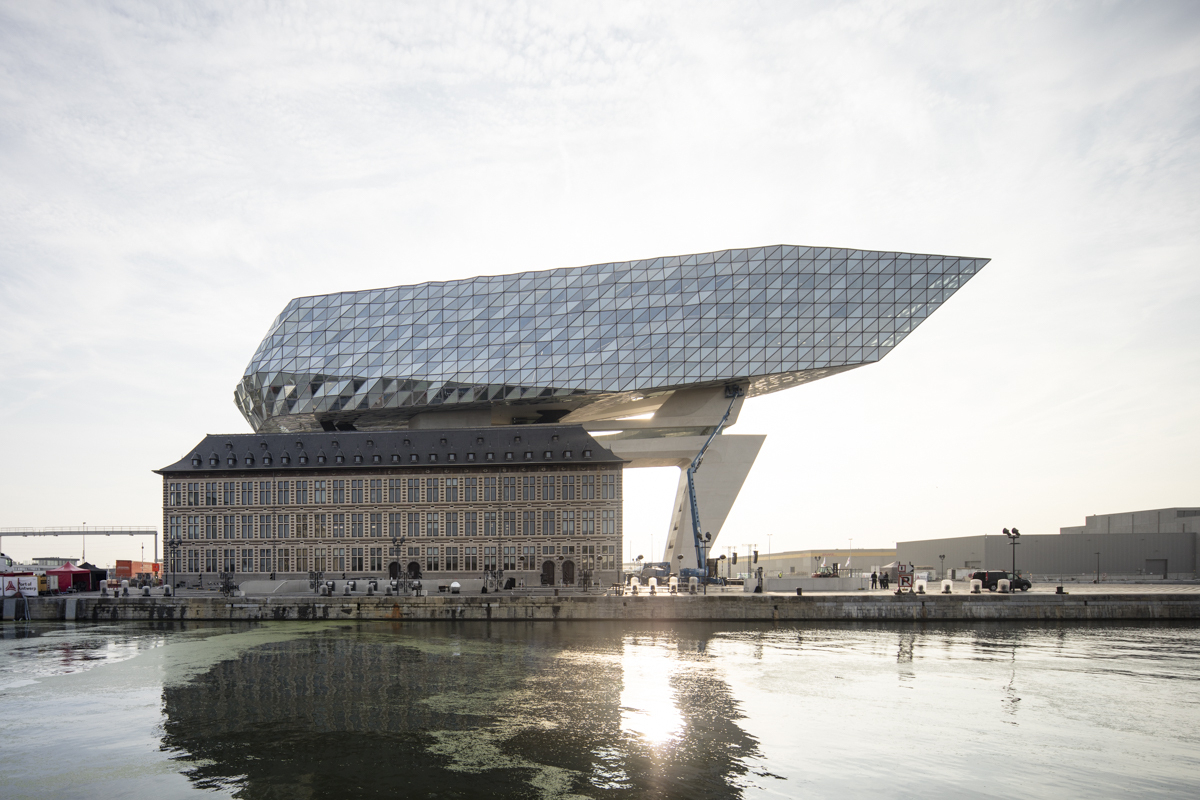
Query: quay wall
column 719, row 608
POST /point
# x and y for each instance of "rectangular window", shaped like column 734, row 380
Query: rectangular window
column 229, row 490
column 510, row 558
column 528, row 523
column 510, row 489
column 489, row 523
column 356, row 525
column 432, row 559
column 376, row 525
column 528, row 557
column 395, row 521
column 282, row 559
column 283, row 493
column 320, row 525
column 229, row 560
column 452, row 523
column 212, row 561
column 339, row 525
column 528, row 487
column 247, row 493
column 451, row 490
column 302, row 526
column 210, row 527
column 395, row 486
column 548, row 528
column 247, row 559
column 301, row 493
column 248, row 529
column 608, row 487
column 489, row 490
column 376, row 491
column 547, row 487
column 264, row 526
column 302, row 559
column 470, row 559
column 339, row 559
column 470, row 490
column 319, row 492
column 264, row 493
column 376, row 559
column 339, row 493
column 510, row 523
column 431, row 525
column 587, row 523
column 414, row 525
column 356, row 491
column 210, row 494
column 356, row 559
column 608, row 522
column 452, row 559
column 548, row 550
column 264, row 560
column 608, row 556
column 414, row 490
column 284, row 526
column 319, row 562
column 431, row 490
column 568, row 487
column 193, row 562
column 489, row 559
column 587, row 489
column 193, row 524
column 175, row 528
column 471, row 523
column 568, row 523
column 193, row 494
column 174, row 494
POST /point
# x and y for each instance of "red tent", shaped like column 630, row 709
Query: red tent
column 70, row 576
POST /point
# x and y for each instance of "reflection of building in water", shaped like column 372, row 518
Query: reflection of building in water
column 352, row 709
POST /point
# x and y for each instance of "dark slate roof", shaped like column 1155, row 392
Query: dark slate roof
column 358, row 449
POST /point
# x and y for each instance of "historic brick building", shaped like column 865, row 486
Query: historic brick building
column 540, row 503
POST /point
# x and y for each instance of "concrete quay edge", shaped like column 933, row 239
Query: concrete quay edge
column 745, row 608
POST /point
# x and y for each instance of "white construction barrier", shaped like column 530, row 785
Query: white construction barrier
column 976, row 586
column 947, row 587
column 921, row 586
column 1003, row 586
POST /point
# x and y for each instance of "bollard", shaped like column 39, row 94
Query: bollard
column 1059, row 590
column 104, row 590
column 673, row 584
column 124, row 584
column 947, row 586
column 799, row 592
column 145, row 591
column 387, row 592
column 166, row 591
column 347, row 590
column 653, row 585
column 1003, row 586
column 976, row 586
column 370, row 590
column 353, row 585
column 921, row 585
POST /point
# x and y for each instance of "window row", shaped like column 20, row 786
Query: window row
column 372, row 559
column 268, row 460
column 392, row 490
column 412, row 524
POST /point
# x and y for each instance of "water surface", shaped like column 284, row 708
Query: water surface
column 599, row 710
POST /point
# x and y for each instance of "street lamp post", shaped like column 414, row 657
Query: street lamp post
column 942, row 558
column 1097, row 566
column 1013, row 535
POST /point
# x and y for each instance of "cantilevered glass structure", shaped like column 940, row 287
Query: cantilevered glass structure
column 545, row 345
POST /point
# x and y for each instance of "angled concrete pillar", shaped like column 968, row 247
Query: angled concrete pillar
column 718, row 482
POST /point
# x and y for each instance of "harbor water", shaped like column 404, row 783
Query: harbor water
column 599, row 710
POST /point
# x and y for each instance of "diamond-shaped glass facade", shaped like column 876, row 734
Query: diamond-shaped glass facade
column 769, row 317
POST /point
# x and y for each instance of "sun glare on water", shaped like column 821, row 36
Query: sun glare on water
column 647, row 700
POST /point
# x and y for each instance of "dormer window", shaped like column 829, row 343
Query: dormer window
column 516, row 440
column 213, row 460
column 338, row 458
column 566, row 453
column 491, row 457
column 587, row 453
column 249, row 459
column 395, row 458
column 358, row 459
column 479, row 440
column 377, row 458
column 232, row 460
column 432, row 457
column 285, row 459
column 443, row 440
column 451, row 457
column 549, row 454
column 299, row 445
column 229, row 445
column 335, row 444
column 529, row 455
column 508, row 456
column 554, row 438
column 414, row 458
column 370, row 443
column 470, row 456
column 320, row 458
column 267, row 460
column 262, row 445
column 407, row 443
column 196, row 460
column 304, row 458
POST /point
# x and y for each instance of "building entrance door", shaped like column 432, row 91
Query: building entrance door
column 414, row 569
column 547, row 573
column 568, row 572
column 394, row 569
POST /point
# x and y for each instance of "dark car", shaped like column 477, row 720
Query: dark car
column 990, row 578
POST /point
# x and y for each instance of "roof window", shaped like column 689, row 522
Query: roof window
column 377, row 458
column 490, row 457
column 554, row 438
column 432, row 457
column 395, row 458
column 370, row 443
column 451, row 457
column 478, row 440
column 516, row 440
column 443, row 441
column 470, row 456
column 566, row 453
column 303, row 457
column 587, row 453
column 339, row 458
column 407, row 443
column 249, row 459
column 267, row 460
column 321, row 457
column 195, row 459
column 549, row 454
column 529, row 455
column 213, row 460
column 232, row 460
column 285, row 459
column 358, row 459
column 335, row 444
column 414, row 458
column 508, row 456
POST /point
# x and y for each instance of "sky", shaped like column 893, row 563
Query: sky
column 172, row 174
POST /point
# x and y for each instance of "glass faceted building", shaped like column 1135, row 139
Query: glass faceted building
column 551, row 343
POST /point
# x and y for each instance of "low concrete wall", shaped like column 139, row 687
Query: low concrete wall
column 789, row 583
column 663, row 607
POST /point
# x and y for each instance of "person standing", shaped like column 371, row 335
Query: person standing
column 874, row 580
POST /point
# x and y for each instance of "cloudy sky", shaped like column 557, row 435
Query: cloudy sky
column 174, row 173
